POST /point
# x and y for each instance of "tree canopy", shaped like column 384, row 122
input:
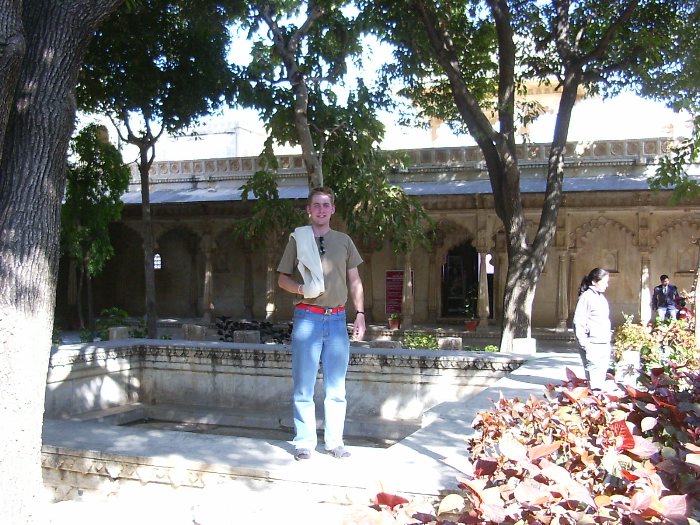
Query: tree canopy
column 96, row 179
column 466, row 62
column 299, row 61
column 158, row 66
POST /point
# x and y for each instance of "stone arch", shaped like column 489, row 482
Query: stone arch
column 228, row 274
column 608, row 244
column 179, row 281
column 122, row 284
column 451, row 234
column 673, row 253
column 456, row 259
column 582, row 232
column 679, row 223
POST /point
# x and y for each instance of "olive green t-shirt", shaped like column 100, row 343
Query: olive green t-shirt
column 340, row 256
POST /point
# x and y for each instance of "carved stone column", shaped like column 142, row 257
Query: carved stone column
column 562, row 293
column 248, row 284
column 500, row 276
column 483, row 309
column 572, row 284
column 645, row 313
column 368, row 286
column 643, row 235
column 367, row 249
column 433, row 286
column 407, row 304
column 208, row 288
column 271, row 284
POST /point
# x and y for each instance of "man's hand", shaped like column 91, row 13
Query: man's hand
column 358, row 328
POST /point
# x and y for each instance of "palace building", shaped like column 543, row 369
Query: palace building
column 609, row 218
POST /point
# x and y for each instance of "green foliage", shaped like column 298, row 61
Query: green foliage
column 632, row 336
column 666, row 345
column 487, row 348
column 296, row 96
column 422, row 78
column 672, row 172
column 679, row 86
column 471, row 301
column 394, row 315
column 579, row 457
column 270, row 215
column 419, row 340
column 676, row 346
column 114, row 316
column 612, row 48
column 163, row 59
column 96, row 178
column 373, row 208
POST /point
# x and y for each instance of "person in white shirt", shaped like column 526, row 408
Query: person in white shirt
column 592, row 326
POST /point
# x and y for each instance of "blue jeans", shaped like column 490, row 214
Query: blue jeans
column 319, row 337
column 666, row 311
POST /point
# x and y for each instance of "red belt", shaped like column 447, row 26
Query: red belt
column 320, row 309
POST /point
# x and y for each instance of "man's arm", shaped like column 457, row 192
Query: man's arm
column 285, row 281
column 676, row 295
column 357, row 294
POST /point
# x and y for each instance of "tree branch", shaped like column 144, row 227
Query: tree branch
column 604, row 42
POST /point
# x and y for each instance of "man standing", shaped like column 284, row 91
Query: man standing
column 327, row 262
column 663, row 300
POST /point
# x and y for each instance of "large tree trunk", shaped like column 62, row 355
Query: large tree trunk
column 43, row 43
column 148, row 244
column 13, row 45
column 517, row 304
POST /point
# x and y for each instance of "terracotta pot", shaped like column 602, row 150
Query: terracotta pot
column 471, row 324
column 394, row 324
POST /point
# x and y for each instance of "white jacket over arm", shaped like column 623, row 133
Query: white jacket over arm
column 309, row 265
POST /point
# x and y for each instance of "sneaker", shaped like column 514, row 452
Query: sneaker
column 339, row 452
column 302, row 453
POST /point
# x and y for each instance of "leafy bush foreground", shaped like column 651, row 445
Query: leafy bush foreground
column 576, row 457
column 665, row 344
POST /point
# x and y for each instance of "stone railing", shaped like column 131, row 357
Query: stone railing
column 394, row 384
column 639, row 151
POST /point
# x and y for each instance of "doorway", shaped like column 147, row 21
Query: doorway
column 460, row 277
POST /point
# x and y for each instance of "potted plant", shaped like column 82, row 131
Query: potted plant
column 394, row 321
column 471, row 320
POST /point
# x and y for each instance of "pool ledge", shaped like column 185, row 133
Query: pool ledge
column 82, row 456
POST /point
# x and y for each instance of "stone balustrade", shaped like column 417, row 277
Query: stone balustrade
column 220, row 171
column 387, row 383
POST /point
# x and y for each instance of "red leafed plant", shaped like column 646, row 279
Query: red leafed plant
column 582, row 457
column 578, row 456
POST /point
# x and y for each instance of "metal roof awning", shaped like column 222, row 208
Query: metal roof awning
column 468, row 187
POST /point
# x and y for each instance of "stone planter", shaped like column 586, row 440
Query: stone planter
column 394, row 324
column 628, row 367
column 470, row 325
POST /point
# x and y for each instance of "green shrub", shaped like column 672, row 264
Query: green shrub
column 663, row 345
column 632, row 336
column 114, row 316
column 419, row 340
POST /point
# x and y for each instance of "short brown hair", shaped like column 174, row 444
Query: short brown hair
column 321, row 190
